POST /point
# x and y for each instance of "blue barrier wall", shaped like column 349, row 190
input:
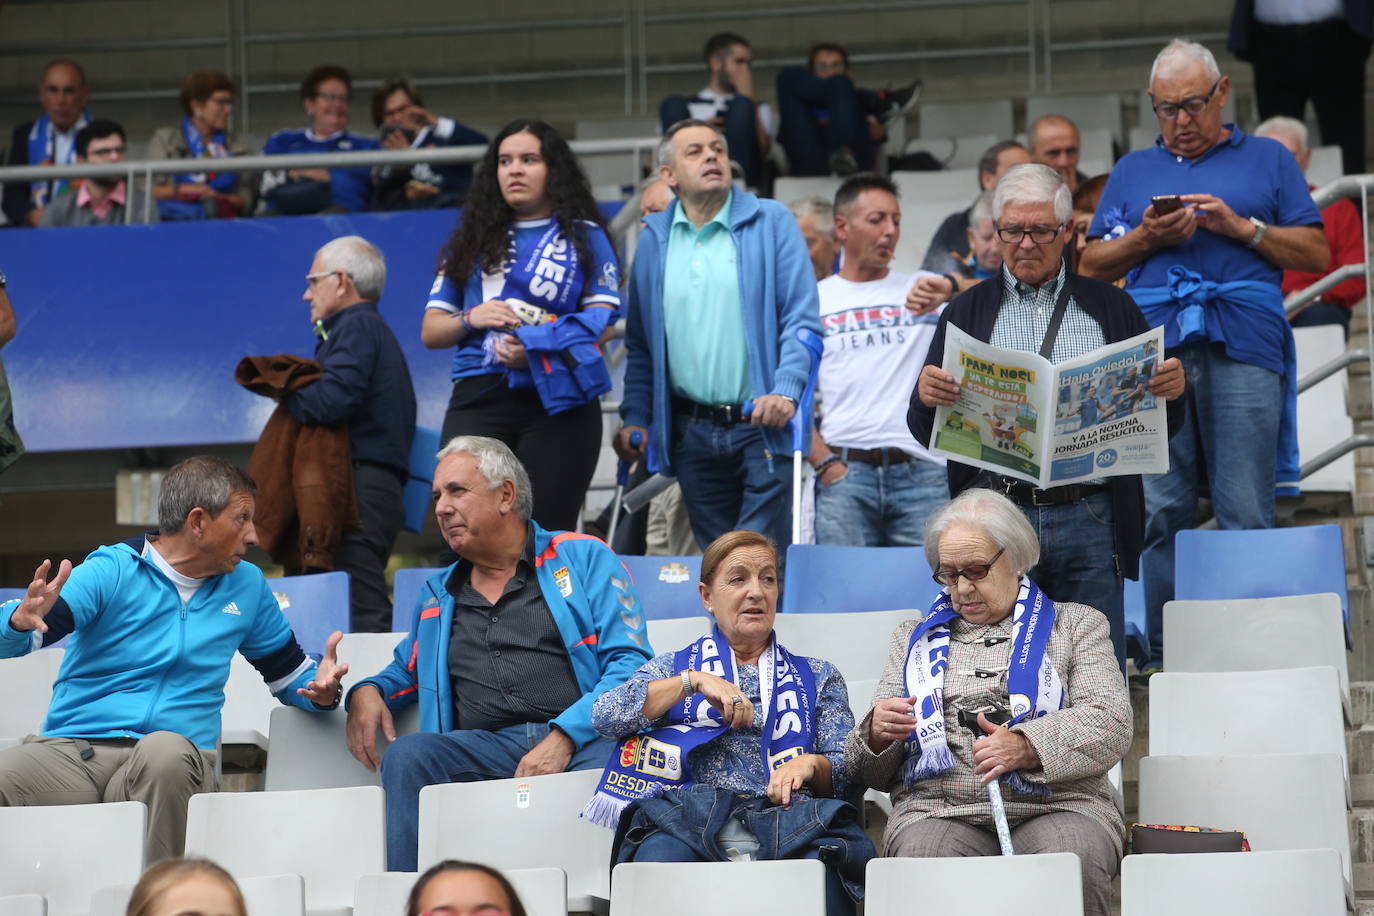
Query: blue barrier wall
column 128, row 335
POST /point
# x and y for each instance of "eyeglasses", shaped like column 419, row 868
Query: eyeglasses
column 107, row 151
column 1167, row 111
column 332, row 96
column 312, row 278
column 979, row 571
column 1040, row 235
column 221, row 99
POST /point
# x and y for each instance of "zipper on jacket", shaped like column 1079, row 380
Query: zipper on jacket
column 162, row 681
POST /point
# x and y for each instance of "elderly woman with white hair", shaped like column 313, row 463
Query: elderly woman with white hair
column 1052, row 712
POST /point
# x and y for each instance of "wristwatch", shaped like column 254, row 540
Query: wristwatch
column 1261, row 227
column 2, row 279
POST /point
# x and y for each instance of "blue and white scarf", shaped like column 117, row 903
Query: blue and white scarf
column 1033, row 685
column 217, row 148
column 43, row 151
column 644, row 765
column 550, row 277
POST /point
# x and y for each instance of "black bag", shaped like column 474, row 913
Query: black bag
column 297, row 198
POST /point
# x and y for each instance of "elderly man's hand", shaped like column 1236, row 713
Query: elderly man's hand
column 936, row 387
column 928, row 293
column 1169, row 229
column 1215, row 215
column 548, row 756
column 367, row 712
column 40, row 597
column 1001, row 751
column 1168, row 380
column 892, row 720
column 773, row 411
column 627, row 450
column 324, row 689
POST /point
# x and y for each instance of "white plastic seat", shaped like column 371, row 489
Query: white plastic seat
column 672, row 633
column 1326, row 165
column 789, row 188
column 521, row 823
column 1284, row 711
column 327, row 836
column 1142, row 137
column 1044, row 885
column 920, row 221
column 1306, row 881
column 270, row 895
column 247, row 714
column 1323, row 415
column 855, row 643
column 366, row 654
column 26, row 684
column 543, row 891
column 1257, row 634
column 953, row 152
column 66, row 852
column 792, row 886
column 1280, row 801
column 966, row 118
column 309, row 750
column 24, row 905
column 953, row 187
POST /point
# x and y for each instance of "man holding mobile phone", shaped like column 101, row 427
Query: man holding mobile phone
column 1208, row 271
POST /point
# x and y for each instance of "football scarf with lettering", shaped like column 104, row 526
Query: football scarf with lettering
column 43, row 151
column 217, row 148
column 1033, row 685
column 643, row 765
column 549, row 276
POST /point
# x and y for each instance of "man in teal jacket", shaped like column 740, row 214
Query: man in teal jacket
column 155, row 622
column 722, row 282
column 508, row 648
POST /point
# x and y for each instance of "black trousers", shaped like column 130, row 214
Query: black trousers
column 364, row 553
column 559, row 452
column 1324, row 62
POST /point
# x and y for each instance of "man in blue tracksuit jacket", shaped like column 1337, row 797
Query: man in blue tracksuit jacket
column 721, row 285
column 508, row 648
column 155, row 622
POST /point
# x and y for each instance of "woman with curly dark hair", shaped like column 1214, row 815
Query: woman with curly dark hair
column 527, row 284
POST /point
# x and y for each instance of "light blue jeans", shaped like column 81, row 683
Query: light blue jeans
column 880, row 505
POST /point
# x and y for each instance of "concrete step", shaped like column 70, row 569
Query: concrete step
column 1361, row 703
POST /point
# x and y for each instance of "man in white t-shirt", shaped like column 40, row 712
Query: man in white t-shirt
column 728, row 104
column 875, row 484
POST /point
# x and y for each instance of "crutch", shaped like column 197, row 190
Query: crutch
column 801, row 424
column 622, row 477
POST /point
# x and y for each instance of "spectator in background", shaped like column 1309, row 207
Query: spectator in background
column 105, row 200
column 1344, row 230
column 405, row 123
column 984, row 260
column 181, row 887
column 721, row 286
column 1054, row 141
column 48, row 140
column 816, row 220
column 325, row 93
column 453, row 888
column 728, row 104
column 207, row 97
column 11, row 445
column 828, row 125
column 1085, row 201
column 656, row 197
column 950, row 246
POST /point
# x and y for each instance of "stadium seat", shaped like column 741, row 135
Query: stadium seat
column 792, row 886
column 270, row 895
column 1095, row 151
column 1306, row 881
column 953, row 152
column 67, row 852
column 966, row 118
column 856, row 643
column 787, row 189
column 1326, row 165
column 1281, row 801
column 248, row 705
column 315, row 605
column 543, row 891
column 367, row 653
column 826, row 578
column 1286, row 711
column 667, row 586
column 26, row 683
column 1257, row 634
column 1137, row 625
column 419, row 488
column 329, row 837
column 405, row 589
column 1142, row 137
column 1089, row 113
column 9, row 594
column 521, row 823
column 861, row 696
column 24, row 905
column 672, row 633
column 309, row 750
column 1323, row 414
column 952, row 187
column 920, row 220
column 1265, row 563
column 1042, row 885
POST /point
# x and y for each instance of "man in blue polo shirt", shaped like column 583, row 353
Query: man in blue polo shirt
column 1207, row 267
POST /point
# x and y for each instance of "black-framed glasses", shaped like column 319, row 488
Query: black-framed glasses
column 1040, row 235
column 1167, row 111
column 950, row 577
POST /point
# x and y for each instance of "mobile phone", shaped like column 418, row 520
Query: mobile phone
column 1166, row 203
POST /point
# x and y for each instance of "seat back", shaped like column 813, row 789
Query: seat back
column 26, row 684
column 24, row 905
column 542, row 891
column 248, row 704
column 954, row 188
column 419, row 486
column 365, row 654
column 1306, row 881
column 790, row 188
column 268, row 833
column 833, row 579
column 855, row 643
column 792, row 886
column 673, row 633
column 959, row 119
column 309, row 750
column 277, row 895
column 1326, row 165
column 405, row 591
column 920, row 221
column 861, row 696
column 667, row 586
column 66, row 853
column 1046, row 885
column 1323, row 414
column 315, row 605
column 953, row 152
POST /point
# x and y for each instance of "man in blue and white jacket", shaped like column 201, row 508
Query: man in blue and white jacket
column 508, row 648
column 155, row 622
column 722, row 282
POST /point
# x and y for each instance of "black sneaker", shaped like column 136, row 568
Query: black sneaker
column 901, row 101
column 842, row 163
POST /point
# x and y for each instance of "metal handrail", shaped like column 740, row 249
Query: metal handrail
column 1301, row 299
column 1330, row 368
column 1345, row 186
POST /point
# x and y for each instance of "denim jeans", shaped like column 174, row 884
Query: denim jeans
column 741, row 131
column 729, row 481
column 1078, row 562
column 1227, row 446
column 430, row 758
column 880, row 505
column 809, row 143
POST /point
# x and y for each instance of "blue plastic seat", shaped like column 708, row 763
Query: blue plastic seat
column 834, row 579
column 420, row 485
column 667, row 586
column 1265, row 563
column 9, row 594
column 405, row 588
column 315, row 605
column 1137, row 626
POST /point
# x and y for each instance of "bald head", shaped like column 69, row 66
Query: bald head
column 62, row 92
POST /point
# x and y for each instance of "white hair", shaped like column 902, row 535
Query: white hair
column 497, row 463
column 1181, row 52
column 1281, row 124
column 999, row 518
column 358, row 258
column 817, row 206
column 981, row 209
column 1033, row 183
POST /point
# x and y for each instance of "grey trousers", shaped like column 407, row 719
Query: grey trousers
column 162, row 770
column 1058, row 831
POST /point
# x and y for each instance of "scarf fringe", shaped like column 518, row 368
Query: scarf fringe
column 932, row 762
column 1017, row 783
column 605, row 810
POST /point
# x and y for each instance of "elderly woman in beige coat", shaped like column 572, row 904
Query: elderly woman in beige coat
column 994, row 645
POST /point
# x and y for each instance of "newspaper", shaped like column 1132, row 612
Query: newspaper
column 1086, row 418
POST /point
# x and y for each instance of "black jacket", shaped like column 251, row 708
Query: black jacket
column 975, row 312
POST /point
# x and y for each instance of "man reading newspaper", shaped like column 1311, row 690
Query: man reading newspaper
column 1039, row 307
